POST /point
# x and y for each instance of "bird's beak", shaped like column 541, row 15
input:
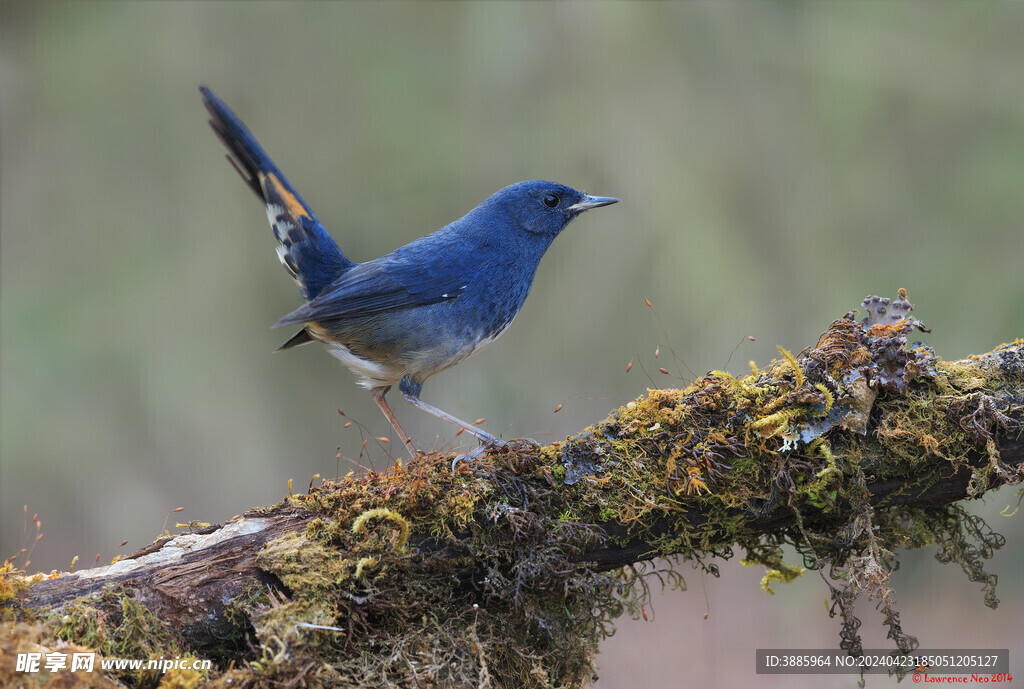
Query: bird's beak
column 589, row 202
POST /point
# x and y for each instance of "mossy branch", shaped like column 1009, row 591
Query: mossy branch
column 509, row 571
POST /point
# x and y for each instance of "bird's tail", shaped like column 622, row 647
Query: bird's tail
column 304, row 246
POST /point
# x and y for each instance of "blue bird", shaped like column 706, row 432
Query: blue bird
column 422, row 308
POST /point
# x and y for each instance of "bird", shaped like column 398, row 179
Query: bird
column 424, row 307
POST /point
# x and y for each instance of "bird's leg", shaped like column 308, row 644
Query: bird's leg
column 411, row 393
column 483, row 436
column 378, row 396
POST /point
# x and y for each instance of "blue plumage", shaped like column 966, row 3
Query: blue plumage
column 422, row 308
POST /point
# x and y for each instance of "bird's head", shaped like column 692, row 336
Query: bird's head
column 545, row 208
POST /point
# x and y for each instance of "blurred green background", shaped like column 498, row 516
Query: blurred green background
column 777, row 163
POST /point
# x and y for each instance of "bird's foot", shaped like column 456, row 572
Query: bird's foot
column 475, row 454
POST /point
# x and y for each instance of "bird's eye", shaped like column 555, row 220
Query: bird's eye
column 551, row 200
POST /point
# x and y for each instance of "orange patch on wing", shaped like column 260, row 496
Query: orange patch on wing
column 295, row 208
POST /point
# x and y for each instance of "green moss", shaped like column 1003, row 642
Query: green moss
column 118, row 626
column 306, row 567
column 12, row 582
column 179, row 678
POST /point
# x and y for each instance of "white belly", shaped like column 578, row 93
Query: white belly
column 370, row 374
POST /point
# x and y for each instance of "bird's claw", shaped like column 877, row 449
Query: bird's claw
column 475, row 453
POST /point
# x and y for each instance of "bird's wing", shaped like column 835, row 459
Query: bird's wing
column 418, row 274
column 305, row 248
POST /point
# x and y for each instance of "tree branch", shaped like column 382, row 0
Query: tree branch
column 501, row 570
